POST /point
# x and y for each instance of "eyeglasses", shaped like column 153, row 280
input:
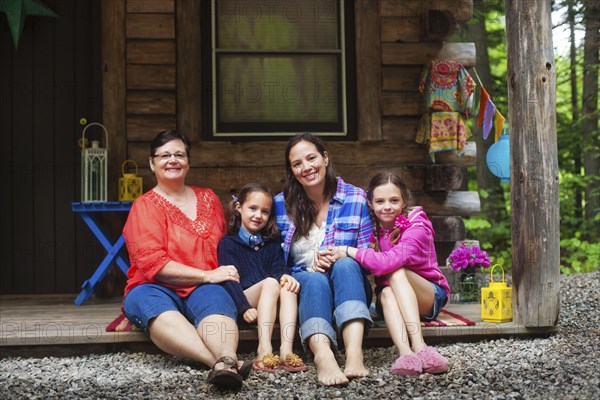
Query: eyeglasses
column 167, row 156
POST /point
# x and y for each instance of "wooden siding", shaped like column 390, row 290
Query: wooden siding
column 47, row 85
column 136, row 65
column 165, row 91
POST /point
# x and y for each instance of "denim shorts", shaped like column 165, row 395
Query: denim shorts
column 149, row 300
column 439, row 301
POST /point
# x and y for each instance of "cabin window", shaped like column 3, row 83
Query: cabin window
column 280, row 67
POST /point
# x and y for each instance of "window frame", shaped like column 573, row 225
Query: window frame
column 277, row 130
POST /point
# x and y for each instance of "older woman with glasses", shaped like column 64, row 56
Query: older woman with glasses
column 174, row 290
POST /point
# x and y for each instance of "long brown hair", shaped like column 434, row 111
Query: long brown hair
column 301, row 210
column 380, row 179
column 234, row 221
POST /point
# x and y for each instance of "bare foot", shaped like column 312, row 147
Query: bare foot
column 328, row 370
column 355, row 367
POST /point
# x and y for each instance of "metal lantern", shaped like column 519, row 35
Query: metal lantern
column 498, row 157
column 93, row 167
column 130, row 184
column 496, row 300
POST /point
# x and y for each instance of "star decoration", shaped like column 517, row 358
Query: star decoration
column 17, row 10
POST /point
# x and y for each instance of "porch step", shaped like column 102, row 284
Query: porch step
column 54, row 321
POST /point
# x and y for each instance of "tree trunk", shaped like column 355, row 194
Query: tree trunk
column 575, row 105
column 534, row 163
column 591, row 143
column 493, row 207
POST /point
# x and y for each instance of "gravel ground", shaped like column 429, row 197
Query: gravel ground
column 564, row 365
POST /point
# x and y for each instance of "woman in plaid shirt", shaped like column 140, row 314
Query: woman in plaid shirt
column 317, row 210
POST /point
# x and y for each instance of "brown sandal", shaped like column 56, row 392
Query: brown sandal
column 226, row 377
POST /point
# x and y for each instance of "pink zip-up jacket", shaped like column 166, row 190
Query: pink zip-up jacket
column 414, row 250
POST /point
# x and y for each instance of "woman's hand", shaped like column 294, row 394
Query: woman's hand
column 291, row 284
column 222, row 274
column 324, row 259
column 251, row 315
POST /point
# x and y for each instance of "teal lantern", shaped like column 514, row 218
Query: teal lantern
column 498, row 157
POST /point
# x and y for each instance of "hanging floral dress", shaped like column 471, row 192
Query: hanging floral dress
column 447, row 87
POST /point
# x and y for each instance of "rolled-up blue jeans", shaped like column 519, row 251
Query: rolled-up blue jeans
column 332, row 299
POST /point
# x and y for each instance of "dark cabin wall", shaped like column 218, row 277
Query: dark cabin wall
column 161, row 68
column 150, row 81
column 46, row 85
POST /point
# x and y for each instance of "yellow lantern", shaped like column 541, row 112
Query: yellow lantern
column 130, row 185
column 496, row 300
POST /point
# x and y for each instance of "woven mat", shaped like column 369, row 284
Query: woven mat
column 445, row 318
column 122, row 324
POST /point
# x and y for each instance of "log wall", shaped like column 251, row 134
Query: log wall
column 162, row 67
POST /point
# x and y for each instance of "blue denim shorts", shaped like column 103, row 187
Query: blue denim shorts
column 439, row 301
column 149, row 300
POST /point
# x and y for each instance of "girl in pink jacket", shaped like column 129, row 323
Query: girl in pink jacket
column 410, row 285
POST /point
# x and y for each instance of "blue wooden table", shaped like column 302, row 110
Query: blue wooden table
column 89, row 213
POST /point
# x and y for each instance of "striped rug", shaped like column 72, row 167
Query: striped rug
column 122, row 324
column 445, row 318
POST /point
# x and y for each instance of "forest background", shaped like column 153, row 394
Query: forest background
column 576, row 38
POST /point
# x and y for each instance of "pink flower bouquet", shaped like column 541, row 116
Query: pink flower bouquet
column 468, row 257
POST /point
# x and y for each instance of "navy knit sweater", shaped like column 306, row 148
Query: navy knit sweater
column 253, row 264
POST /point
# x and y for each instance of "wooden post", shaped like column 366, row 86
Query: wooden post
column 114, row 91
column 114, row 88
column 190, row 88
column 368, row 66
column 534, row 163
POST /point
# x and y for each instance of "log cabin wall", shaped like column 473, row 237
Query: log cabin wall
column 152, row 49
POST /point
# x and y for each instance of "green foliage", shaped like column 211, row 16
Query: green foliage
column 570, row 185
column 579, row 256
column 493, row 238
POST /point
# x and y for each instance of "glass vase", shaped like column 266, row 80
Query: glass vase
column 469, row 285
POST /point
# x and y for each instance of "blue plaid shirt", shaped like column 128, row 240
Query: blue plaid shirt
column 348, row 221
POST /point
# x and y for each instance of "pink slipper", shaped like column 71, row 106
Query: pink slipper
column 432, row 361
column 408, row 364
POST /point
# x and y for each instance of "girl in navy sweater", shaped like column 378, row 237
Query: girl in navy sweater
column 252, row 245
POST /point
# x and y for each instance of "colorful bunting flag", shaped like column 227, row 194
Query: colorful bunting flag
column 488, row 114
column 483, row 98
column 499, row 125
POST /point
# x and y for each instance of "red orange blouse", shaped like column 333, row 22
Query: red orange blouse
column 157, row 232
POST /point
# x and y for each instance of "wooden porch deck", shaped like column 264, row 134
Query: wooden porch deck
column 52, row 324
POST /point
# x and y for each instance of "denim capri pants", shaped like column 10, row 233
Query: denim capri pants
column 330, row 300
column 149, row 300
